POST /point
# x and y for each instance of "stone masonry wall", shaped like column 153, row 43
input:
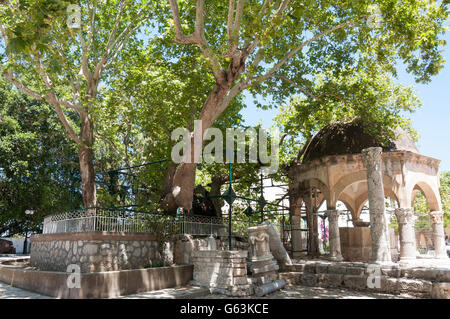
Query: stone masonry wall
column 393, row 279
column 94, row 251
column 356, row 243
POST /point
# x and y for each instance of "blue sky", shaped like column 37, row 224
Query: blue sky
column 432, row 121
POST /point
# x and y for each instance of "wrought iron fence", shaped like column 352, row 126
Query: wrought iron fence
column 97, row 219
column 101, row 219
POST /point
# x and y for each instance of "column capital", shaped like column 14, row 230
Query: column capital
column 437, row 217
column 333, row 213
column 405, row 215
column 371, row 156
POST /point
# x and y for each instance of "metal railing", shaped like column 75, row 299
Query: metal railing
column 128, row 221
column 96, row 219
column 100, row 219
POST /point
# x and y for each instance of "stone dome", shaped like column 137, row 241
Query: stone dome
column 350, row 138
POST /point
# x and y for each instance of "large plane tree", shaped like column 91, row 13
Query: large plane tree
column 276, row 47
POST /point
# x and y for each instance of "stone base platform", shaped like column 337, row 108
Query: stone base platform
column 431, row 282
column 17, row 273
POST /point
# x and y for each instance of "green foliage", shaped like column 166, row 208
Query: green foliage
column 142, row 108
column 36, row 162
column 375, row 99
column 164, row 229
column 156, row 86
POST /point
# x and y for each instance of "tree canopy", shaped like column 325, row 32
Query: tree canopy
column 121, row 75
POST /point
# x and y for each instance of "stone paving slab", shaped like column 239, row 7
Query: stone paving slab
column 9, row 292
column 186, row 292
column 302, row 292
column 191, row 292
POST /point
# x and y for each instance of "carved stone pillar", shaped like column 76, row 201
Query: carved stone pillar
column 335, row 240
column 378, row 222
column 406, row 220
column 437, row 220
column 263, row 266
column 259, row 243
column 296, row 236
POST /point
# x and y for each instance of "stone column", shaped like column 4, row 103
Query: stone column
column 335, row 240
column 406, row 220
column 296, row 235
column 437, row 220
column 378, row 223
column 315, row 233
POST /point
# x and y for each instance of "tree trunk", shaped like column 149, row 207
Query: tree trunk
column 86, row 158
column 182, row 191
column 216, row 183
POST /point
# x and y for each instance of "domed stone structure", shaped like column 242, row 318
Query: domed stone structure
column 351, row 138
column 333, row 170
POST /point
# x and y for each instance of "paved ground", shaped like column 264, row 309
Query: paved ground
column 302, row 292
column 189, row 292
column 9, row 292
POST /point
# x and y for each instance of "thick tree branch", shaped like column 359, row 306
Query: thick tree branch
column 63, row 119
column 111, row 40
column 234, row 26
column 235, row 90
column 48, row 99
column 197, row 37
column 284, row 4
column 22, row 87
column 230, row 18
column 48, row 83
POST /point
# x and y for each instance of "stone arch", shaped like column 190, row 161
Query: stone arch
column 348, row 180
column 317, row 183
column 433, row 199
column 362, row 199
column 390, row 185
column 348, row 202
